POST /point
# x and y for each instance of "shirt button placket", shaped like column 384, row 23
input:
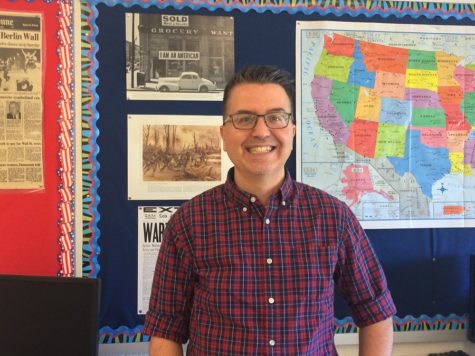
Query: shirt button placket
column 270, row 300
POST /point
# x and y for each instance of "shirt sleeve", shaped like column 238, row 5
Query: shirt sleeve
column 359, row 275
column 172, row 289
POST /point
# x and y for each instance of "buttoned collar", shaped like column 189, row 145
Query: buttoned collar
column 285, row 194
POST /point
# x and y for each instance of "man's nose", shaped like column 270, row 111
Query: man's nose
column 261, row 128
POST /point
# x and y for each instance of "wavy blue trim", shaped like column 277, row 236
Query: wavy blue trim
column 123, row 334
column 435, row 318
column 437, row 322
column 320, row 7
column 93, row 199
column 411, row 323
column 346, row 325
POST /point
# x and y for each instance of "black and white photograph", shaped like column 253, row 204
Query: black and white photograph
column 20, row 70
column 178, row 57
column 13, row 112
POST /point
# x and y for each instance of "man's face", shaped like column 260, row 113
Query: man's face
column 259, row 151
column 13, row 107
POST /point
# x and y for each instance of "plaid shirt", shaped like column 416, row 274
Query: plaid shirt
column 237, row 278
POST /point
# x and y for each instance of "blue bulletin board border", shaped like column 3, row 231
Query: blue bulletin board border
column 322, row 7
column 343, row 326
column 90, row 116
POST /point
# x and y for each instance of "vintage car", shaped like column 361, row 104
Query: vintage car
column 189, row 81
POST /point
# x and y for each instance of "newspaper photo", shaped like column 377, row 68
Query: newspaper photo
column 21, row 121
column 178, row 57
column 152, row 220
column 174, row 157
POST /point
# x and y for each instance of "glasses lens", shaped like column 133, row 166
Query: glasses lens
column 277, row 120
column 273, row 120
column 244, row 121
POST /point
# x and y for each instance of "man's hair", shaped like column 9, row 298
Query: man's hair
column 261, row 74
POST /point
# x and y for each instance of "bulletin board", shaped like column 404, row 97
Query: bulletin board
column 36, row 225
column 427, row 269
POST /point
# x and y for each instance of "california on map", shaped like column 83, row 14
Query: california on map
column 387, row 120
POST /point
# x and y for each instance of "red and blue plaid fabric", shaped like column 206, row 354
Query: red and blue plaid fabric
column 237, row 278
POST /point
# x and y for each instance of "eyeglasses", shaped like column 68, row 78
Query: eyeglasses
column 247, row 121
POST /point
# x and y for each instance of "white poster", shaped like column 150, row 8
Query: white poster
column 152, row 220
column 174, row 157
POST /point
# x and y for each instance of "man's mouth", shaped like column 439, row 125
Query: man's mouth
column 260, row 149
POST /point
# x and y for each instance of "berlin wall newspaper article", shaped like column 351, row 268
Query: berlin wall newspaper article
column 21, row 142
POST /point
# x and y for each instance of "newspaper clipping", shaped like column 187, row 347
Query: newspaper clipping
column 151, row 223
column 21, row 146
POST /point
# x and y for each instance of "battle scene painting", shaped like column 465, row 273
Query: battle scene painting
column 181, row 153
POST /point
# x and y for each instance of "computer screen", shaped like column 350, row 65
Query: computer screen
column 48, row 316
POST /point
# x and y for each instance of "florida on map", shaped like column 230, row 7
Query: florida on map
column 388, row 122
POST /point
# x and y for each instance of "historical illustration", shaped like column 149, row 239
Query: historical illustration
column 174, row 156
column 181, row 153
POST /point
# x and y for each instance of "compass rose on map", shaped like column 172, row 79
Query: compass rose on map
column 442, row 188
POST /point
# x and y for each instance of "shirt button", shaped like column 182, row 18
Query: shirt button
column 283, row 202
column 244, row 209
column 271, row 300
column 253, row 199
column 267, row 221
column 271, row 342
column 269, row 261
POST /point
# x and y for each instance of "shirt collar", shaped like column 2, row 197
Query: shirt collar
column 285, row 194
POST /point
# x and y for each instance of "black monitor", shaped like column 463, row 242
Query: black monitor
column 48, row 316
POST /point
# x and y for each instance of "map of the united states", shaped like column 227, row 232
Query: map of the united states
column 414, row 107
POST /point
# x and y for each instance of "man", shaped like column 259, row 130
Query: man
column 249, row 267
column 13, row 110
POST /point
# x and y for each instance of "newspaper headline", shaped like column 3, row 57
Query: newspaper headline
column 152, row 221
column 21, row 122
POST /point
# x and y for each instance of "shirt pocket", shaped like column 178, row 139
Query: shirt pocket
column 315, row 265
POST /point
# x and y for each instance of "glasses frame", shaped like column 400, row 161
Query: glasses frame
column 264, row 116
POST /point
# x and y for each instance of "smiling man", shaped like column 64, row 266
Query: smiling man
column 258, row 148
column 250, row 267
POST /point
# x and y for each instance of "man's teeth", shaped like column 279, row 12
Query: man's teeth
column 260, row 149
